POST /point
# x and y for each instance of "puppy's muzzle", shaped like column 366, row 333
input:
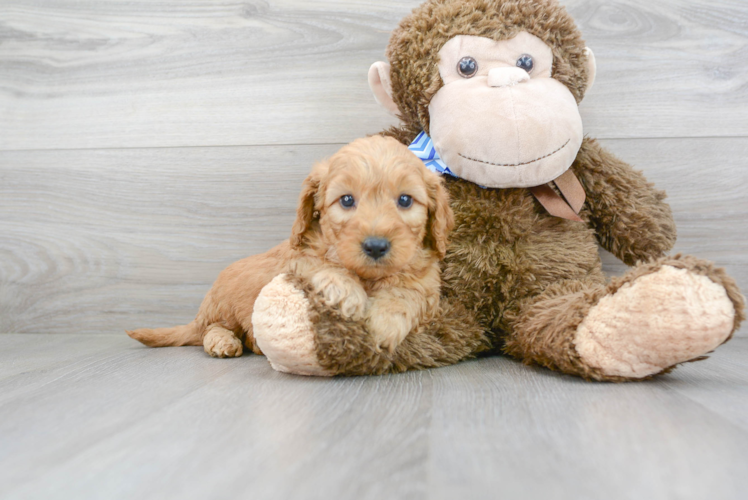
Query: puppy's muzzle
column 376, row 248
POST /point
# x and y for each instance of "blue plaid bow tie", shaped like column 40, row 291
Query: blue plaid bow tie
column 423, row 147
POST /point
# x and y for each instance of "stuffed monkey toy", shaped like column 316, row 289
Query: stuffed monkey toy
column 487, row 92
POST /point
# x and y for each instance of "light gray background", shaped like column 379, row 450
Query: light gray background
column 144, row 146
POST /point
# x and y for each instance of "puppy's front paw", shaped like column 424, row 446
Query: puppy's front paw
column 388, row 330
column 340, row 290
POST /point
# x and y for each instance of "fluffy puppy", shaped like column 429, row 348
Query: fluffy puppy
column 371, row 227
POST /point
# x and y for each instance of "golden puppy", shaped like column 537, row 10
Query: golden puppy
column 371, row 226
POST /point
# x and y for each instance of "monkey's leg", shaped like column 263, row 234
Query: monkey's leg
column 221, row 343
column 300, row 334
column 658, row 315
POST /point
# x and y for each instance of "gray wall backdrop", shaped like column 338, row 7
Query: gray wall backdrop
column 146, row 145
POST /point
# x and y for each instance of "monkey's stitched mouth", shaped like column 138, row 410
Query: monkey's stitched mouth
column 516, row 164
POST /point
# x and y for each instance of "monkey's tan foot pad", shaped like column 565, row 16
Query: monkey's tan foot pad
column 222, row 343
column 283, row 331
column 655, row 322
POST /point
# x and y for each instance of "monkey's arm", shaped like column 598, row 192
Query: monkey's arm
column 629, row 215
column 300, row 333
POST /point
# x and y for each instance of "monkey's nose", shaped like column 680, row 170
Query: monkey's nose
column 376, row 248
column 507, row 77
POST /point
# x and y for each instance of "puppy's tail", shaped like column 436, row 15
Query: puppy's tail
column 190, row 334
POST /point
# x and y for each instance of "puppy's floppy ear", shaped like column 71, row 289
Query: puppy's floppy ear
column 441, row 219
column 306, row 215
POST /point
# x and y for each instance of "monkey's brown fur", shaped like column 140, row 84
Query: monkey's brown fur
column 345, row 347
column 528, row 279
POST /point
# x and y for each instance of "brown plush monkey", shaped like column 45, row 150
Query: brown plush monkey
column 489, row 92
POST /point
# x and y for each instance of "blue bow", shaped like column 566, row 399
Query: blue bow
column 423, row 147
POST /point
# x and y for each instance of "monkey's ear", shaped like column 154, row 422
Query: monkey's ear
column 381, row 85
column 591, row 68
column 306, row 215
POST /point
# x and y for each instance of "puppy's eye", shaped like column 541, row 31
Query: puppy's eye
column 467, row 67
column 525, row 62
column 347, row 201
column 405, row 201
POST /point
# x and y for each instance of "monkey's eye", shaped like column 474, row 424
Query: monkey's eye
column 405, row 201
column 525, row 62
column 467, row 67
column 347, row 201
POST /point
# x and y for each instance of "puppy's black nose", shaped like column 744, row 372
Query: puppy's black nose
column 376, row 248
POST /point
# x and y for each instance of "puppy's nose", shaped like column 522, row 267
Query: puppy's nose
column 376, row 248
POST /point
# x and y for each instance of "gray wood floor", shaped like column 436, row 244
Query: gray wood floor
column 146, row 145
column 99, row 416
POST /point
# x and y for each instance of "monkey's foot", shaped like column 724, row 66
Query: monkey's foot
column 655, row 321
column 283, row 330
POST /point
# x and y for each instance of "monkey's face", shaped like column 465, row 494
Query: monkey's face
column 500, row 120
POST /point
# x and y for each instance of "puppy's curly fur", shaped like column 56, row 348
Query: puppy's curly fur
column 391, row 294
